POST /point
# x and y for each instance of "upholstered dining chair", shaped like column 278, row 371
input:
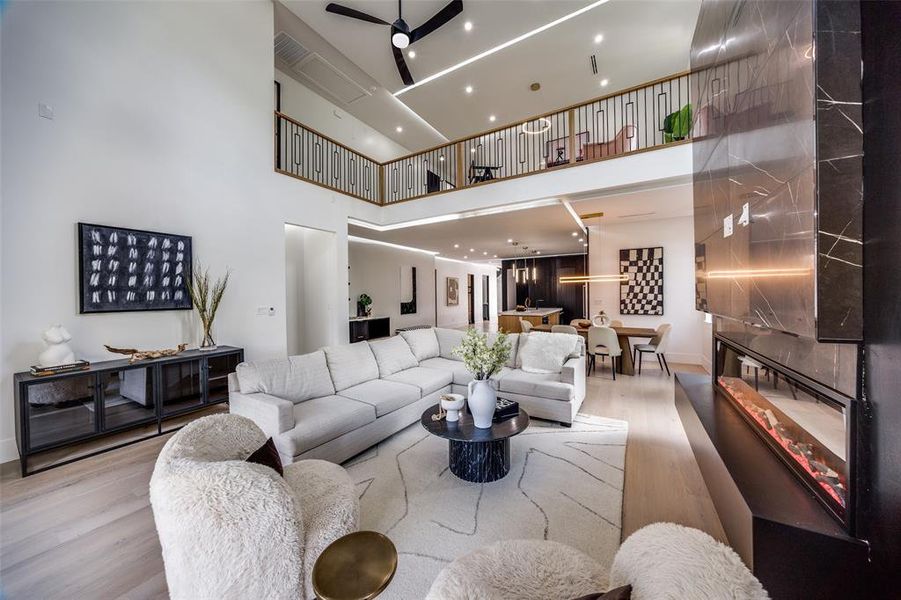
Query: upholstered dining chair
column 564, row 329
column 602, row 341
column 656, row 346
column 234, row 529
column 525, row 326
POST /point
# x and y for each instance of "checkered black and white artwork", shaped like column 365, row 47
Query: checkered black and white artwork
column 642, row 293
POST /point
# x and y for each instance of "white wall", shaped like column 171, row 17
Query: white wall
column 375, row 270
column 308, row 107
column 163, row 122
column 311, row 275
column 677, row 238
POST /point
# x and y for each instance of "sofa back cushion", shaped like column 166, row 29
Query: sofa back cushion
column 351, row 364
column 423, row 343
column 392, row 355
column 546, row 352
column 295, row 378
column 448, row 339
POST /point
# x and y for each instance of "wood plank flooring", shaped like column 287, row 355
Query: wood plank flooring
column 86, row 531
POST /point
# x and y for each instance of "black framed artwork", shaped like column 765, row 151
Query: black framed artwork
column 124, row 270
column 642, row 292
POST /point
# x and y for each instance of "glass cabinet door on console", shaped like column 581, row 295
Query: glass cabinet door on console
column 127, row 397
column 181, row 385
column 218, row 368
column 60, row 409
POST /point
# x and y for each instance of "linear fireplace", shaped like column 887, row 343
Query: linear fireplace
column 807, row 425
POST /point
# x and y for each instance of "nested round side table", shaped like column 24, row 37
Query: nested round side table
column 357, row 566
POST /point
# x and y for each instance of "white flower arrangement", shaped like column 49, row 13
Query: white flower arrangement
column 481, row 359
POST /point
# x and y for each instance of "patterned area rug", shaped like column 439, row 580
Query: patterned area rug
column 565, row 484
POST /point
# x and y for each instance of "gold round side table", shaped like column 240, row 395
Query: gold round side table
column 358, row 566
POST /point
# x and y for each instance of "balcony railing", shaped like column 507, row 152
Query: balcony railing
column 642, row 118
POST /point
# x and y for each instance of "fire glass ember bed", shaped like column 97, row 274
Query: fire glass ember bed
column 808, row 429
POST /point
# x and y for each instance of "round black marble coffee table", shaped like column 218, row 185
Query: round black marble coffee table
column 474, row 454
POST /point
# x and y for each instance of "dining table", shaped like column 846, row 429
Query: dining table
column 625, row 364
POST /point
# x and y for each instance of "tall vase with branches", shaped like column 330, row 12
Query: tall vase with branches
column 206, row 295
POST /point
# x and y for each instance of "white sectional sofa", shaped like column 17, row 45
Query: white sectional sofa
column 336, row 402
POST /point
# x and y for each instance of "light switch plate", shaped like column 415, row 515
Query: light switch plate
column 266, row 311
column 745, row 219
column 727, row 226
column 45, row 110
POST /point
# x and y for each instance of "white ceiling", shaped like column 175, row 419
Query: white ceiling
column 547, row 229
column 643, row 40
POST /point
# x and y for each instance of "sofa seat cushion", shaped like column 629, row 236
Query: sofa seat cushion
column 461, row 375
column 448, row 339
column 423, row 343
column 392, row 355
column 295, row 378
column 427, row 380
column 351, row 364
column 541, row 385
column 321, row 420
column 383, row 395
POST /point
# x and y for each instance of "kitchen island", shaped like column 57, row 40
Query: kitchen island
column 508, row 320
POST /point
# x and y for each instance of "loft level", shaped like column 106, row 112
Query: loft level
column 643, row 118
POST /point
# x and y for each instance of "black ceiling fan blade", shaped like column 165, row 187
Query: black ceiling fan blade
column 402, row 65
column 451, row 10
column 353, row 14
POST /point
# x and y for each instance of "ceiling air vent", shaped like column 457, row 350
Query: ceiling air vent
column 326, row 78
column 288, row 49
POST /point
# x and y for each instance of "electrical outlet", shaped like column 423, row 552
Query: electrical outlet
column 727, row 226
column 45, row 110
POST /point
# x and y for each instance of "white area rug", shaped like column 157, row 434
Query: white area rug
column 565, row 484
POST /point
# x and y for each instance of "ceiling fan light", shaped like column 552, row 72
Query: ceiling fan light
column 400, row 40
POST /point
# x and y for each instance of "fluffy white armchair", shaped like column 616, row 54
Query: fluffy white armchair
column 233, row 529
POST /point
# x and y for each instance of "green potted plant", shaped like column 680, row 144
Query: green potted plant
column 364, row 305
column 206, row 295
column 482, row 360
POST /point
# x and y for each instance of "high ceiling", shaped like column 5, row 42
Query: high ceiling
column 546, row 229
column 642, row 40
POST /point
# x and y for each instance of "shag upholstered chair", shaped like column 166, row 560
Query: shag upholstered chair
column 602, row 341
column 234, row 529
column 656, row 346
column 659, row 561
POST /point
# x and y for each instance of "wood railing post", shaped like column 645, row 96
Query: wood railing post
column 459, row 179
column 383, row 194
column 572, row 135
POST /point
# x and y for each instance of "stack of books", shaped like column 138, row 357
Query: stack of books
column 79, row 365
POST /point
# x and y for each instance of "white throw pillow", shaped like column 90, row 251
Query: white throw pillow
column 393, row 355
column 541, row 352
column 423, row 343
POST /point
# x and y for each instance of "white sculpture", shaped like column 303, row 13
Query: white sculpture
column 58, row 351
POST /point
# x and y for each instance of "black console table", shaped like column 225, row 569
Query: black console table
column 66, row 417
column 369, row 328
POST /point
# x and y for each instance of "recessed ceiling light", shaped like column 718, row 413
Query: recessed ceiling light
column 585, row 244
column 575, row 233
column 472, row 249
column 485, row 253
column 538, row 252
column 464, row 256
column 412, row 53
column 510, row 240
column 581, row 239
column 468, row 89
column 456, row 245
column 467, row 25
column 495, row 256
column 598, row 38
column 492, row 118
column 399, row 129
column 604, row 82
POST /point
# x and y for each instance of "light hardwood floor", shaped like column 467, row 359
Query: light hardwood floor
column 85, row 530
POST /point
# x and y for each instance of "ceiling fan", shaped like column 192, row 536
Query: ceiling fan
column 401, row 34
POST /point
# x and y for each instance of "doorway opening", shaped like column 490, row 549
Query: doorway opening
column 311, row 278
column 486, row 283
column 471, row 291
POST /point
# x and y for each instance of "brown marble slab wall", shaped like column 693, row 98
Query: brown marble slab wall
column 756, row 139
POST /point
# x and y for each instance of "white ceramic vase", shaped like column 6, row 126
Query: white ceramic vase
column 482, row 401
